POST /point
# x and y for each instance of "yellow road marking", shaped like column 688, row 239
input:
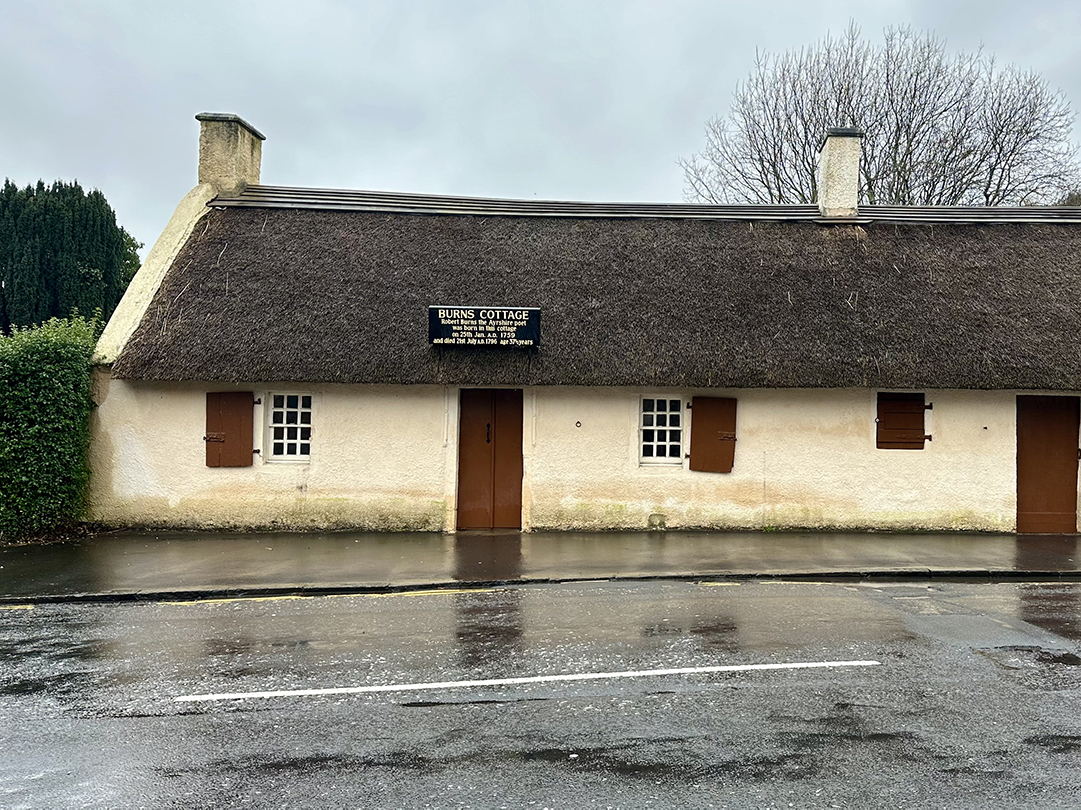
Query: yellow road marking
column 238, row 599
column 719, row 584
column 432, row 592
column 16, row 607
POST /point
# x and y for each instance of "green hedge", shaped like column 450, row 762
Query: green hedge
column 45, row 403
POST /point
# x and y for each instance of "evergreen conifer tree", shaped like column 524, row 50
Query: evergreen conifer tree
column 61, row 252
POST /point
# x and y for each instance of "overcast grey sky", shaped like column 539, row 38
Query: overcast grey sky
column 592, row 99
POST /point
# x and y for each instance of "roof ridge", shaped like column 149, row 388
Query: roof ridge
column 332, row 199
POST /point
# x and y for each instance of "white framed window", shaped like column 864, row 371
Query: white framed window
column 289, row 426
column 660, row 430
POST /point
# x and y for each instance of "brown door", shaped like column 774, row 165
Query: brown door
column 1047, row 438
column 490, row 459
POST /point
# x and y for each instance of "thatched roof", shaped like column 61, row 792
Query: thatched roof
column 304, row 293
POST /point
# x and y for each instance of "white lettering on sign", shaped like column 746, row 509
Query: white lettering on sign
column 503, row 314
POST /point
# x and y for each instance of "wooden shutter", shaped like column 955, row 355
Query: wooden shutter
column 229, row 428
column 900, row 421
column 713, row 434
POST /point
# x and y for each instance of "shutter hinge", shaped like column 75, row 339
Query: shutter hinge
column 927, row 438
column 214, row 437
column 256, row 452
column 258, row 401
column 930, row 406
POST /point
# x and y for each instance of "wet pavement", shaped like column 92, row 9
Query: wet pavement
column 973, row 699
column 163, row 564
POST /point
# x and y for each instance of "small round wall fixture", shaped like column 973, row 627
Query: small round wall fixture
column 577, row 424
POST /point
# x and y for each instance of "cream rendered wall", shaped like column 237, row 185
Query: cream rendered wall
column 377, row 460
column 385, row 457
column 804, row 458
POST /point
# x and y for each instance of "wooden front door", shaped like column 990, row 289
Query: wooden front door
column 490, row 459
column 1047, row 450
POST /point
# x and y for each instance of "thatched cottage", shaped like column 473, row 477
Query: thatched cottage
column 311, row 357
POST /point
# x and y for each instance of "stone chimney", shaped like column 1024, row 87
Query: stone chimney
column 839, row 172
column 230, row 151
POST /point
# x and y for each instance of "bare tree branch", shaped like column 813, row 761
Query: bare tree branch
column 941, row 129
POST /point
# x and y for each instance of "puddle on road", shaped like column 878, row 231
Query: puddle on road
column 719, row 634
column 498, row 626
column 1036, row 667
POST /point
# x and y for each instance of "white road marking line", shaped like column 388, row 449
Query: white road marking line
column 580, row 676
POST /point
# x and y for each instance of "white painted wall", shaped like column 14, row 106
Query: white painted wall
column 386, row 457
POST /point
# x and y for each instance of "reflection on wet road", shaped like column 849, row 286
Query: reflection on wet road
column 178, row 562
column 488, row 630
column 1056, row 609
column 977, row 699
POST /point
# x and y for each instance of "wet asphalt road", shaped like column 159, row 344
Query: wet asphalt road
column 976, row 701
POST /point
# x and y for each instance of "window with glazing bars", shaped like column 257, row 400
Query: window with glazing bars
column 290, row 426
column 661, row 430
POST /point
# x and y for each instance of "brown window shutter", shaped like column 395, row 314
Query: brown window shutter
column 713, row 434
column 900, row 421
column 228, row 438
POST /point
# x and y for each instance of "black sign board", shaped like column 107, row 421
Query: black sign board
column 484, row 326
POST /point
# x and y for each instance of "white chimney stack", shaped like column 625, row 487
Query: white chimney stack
column 230, row 151
column 839, row 172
